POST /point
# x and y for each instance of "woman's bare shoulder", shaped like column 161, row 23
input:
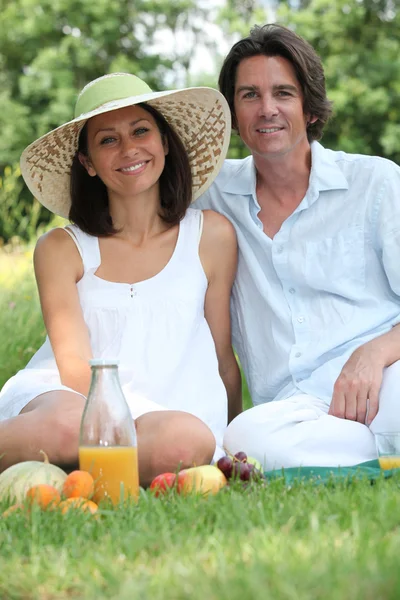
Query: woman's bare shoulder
column 217, row 228
column 56, row 247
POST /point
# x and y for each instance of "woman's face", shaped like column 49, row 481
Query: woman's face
column 126, row 150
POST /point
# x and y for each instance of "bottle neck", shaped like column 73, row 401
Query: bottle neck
column 105, row 377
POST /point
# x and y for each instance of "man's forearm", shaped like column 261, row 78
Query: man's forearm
column 387, row 346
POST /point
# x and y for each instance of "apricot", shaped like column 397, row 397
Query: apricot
column 44, row 495
column 78, row 503
column 78, row 484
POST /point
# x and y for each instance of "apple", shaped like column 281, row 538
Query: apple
column 205, row 480
column 163, row 483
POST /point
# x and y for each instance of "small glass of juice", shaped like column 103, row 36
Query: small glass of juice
column 388, row 448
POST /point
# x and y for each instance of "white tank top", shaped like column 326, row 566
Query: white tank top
column 157, row 330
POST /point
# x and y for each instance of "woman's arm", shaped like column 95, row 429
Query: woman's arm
column 58, row 268
column 218, row 254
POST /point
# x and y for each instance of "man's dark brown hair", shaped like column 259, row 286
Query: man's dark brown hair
column 276, row 40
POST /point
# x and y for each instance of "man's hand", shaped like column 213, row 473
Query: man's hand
column 356, row 391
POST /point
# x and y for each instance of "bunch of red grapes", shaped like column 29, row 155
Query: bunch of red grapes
column 237, row 468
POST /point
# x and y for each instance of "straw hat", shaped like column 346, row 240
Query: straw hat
column 200, row 116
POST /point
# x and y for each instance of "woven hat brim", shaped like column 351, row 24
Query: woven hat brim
column 200, row 116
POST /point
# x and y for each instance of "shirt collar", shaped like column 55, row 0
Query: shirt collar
column 325, row 174
column 244, row 180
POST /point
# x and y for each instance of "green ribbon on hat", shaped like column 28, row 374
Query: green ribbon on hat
column 115, row 86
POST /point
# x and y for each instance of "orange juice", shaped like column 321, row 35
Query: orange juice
column 389, row 462
column 111, row 468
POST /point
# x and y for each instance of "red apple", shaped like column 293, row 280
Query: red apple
column 163, row 483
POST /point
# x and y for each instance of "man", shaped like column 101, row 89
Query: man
column 316, row 303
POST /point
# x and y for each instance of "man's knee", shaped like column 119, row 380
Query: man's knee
column 269, row 440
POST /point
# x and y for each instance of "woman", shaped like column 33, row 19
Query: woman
column 139, row 275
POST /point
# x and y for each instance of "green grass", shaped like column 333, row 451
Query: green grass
column 21, row 325
column 296, row 542
column 289, row 543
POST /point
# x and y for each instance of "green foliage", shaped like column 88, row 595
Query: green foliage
column 360, row 49
column 50, row 49
column 19, row 217
column 21, row 324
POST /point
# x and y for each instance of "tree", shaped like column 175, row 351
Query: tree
column 50, row 49
column 360, row 48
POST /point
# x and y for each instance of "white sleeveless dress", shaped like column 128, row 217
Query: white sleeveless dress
column 157, row 330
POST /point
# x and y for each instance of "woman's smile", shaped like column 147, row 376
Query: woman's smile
column 134, row 169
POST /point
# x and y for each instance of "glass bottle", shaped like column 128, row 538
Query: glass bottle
column 108, row 443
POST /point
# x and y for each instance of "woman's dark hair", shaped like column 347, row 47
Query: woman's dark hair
column 89, row 197
column 276, row 40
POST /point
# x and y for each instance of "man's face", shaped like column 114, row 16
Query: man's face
column 269, row 107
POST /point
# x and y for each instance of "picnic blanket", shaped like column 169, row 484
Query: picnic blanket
column 367, row 470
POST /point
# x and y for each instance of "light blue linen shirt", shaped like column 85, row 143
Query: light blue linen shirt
column 326, row 283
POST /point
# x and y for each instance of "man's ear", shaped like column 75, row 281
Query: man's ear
column 311, row 120
column 85, row 162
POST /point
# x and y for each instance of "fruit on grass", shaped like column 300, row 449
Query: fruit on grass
column 240, row 467
column 244, row 471
column 78, row 504
column 43, row 495
column 163, row 483
column 78, row 484
column 241, row 456
column 256, row 463
column 17, row 479
column 225, row 464
column 207, row 479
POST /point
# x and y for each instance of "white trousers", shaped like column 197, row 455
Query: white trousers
column 299, row 432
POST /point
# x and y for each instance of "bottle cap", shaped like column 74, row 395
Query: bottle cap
column 104, row 362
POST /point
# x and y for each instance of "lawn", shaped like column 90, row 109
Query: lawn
column 21, row 326
column 302, row 542
column 271, row 541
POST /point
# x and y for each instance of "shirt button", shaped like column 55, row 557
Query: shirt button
column 301, row 319
column 298, row 354
column 292, row 290
column 279, row 249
